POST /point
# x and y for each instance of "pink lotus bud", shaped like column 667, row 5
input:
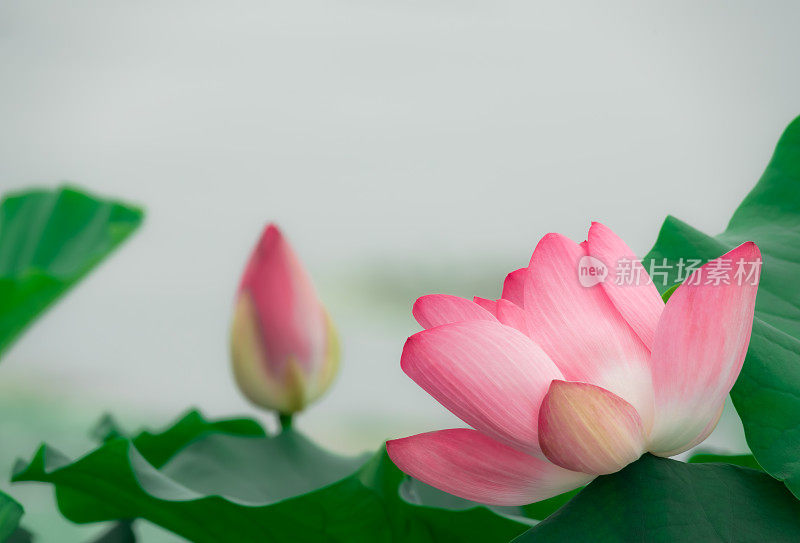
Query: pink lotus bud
column 284, row 348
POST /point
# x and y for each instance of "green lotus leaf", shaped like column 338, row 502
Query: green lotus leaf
column 227, row 481
column 49, row 240
column 767, row 393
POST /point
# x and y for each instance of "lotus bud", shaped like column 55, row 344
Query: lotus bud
column 284, row 348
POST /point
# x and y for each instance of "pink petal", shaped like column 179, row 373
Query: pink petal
column 586, row 428
column 512, row 315
column 291, row 318
column 581, row 330
column 506, row 312
column 472, row 466
column 699, row 438
column 489, row 375
column 627, row 285
column 699, row 348
column 438, row 309
column 488, row 305
column 514, row 287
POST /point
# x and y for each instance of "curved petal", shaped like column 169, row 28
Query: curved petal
column 627, row 285
column 697, row 440
column 512, row 315
column 437, row 309
column 488, row 305
column 514, row 287
column 699, row 347
column 489, row 375
column 472, row 466
column 581, row 330
column 586, row 428
column 290, row 318
column 506, row 312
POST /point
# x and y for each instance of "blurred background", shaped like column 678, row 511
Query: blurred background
column 404, row 147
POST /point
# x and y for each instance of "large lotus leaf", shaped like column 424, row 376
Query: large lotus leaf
column 225, row 482
column 662, row 500
column 49, row 240
column 10, row 514
column 767, row 393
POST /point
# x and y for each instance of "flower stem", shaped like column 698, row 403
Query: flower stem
column 285, row 421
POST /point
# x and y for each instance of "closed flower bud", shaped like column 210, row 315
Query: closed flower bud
column 284, row 348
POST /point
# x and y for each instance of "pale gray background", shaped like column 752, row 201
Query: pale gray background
column 405, row 147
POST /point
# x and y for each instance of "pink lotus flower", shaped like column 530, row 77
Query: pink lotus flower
column 562, row 382
column 284, row 347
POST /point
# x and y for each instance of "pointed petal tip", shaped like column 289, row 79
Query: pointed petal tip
column 749, row 244
column 752, row 248
column 391, row 447
column 600, row 230
column 748, row 250
column 434, row 310
column 512, row 315
column 555, row 385
column 546, row 245
column 416, row 307
column 270, row 233
column 553, row 236
column 270, row 249
column 485, row 303
column 410, row 345
column 514, row 286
